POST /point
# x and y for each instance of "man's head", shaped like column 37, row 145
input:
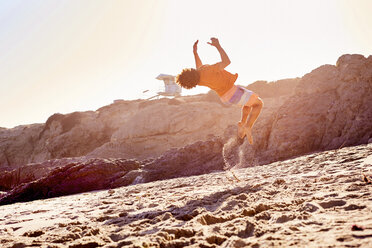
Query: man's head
column 188, row 78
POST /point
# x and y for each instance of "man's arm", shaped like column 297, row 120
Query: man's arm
column 225, row 61
column 198, row 62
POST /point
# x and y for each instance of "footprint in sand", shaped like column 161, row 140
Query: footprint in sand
column 354, row 207
column 332, row 203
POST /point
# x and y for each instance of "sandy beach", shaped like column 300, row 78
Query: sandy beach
column 309, row 201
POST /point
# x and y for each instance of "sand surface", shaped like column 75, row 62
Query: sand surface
column 309, row 201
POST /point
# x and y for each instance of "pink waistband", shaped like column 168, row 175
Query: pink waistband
column 227, row 96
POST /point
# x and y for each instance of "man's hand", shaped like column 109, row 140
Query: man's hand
column 225, row 61
column 214, row 42
column 195, row 47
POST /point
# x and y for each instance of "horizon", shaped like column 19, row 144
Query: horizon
column 62, row 57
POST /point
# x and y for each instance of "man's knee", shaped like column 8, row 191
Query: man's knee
column 254, row 101
column 257, row 101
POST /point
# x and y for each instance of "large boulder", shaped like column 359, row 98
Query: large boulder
column 70, row 135
column 159, row 126
column 33, row 171
column 72, row 178
column 195, row 159
column 331, row 108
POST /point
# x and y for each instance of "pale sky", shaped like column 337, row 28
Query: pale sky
column 61, row 56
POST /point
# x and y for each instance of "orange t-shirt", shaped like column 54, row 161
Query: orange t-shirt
column 217, row 79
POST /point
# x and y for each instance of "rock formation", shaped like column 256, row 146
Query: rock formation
column 274, row 89
column 137, row 129
column 34, row 171
column 17, row 144
column 125, row 129
column 195, row 159
column 69, row 176
column 70, row 135
column 328, row 108
column 74, row 177
column 331, row 108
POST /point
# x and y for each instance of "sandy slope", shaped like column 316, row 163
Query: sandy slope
column 310, row 201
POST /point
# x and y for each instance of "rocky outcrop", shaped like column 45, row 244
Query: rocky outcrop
column 328, row 108
column 331, row 108
column 125, row 129
column 75, row 177
column 274, row 89
column 157, row 128
column 195, row 159
column 69, row 176
column 70, row 135
column 137, row 129
column 31, row 172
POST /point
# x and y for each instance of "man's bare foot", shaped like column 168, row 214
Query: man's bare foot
column 241, row 131
column 248, row 132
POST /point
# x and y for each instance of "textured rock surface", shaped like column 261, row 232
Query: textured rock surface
column 195, row 159
column 69, row 176
column 30, row 172
column 70, row 135
column 165, row 124
column 17, row 144
column 331, row 108
column 274, row 89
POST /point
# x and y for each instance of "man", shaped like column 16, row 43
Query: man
column 223, row 83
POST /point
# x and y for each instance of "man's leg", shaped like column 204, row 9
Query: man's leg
column 257, row 105
column 245, row 112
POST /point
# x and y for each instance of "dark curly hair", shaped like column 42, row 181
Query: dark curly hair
column 188, row 78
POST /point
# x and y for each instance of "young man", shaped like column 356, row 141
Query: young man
column 223, row 83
